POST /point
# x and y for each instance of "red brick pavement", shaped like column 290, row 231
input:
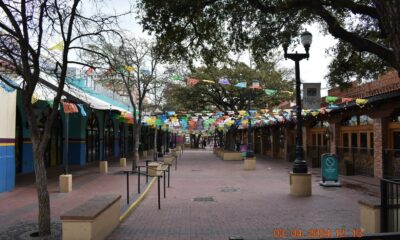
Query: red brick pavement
column 251, row 204
column 20, row 205
column 248, row 203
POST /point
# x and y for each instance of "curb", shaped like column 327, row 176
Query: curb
column 136, row 203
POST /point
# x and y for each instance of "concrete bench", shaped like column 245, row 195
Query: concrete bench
column 235, row 156
column 94, row 219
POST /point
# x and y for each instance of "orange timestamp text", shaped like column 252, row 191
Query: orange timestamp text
column 310, row 233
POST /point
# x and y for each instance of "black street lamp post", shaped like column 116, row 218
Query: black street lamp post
column 300, row 165
column 249, row 152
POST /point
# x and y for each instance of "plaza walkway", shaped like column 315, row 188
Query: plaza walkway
column 208, row 199
column 214, row 199
column 19, row 208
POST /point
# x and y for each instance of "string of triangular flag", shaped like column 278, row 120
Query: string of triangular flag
column 332, row 100
column 191, row 81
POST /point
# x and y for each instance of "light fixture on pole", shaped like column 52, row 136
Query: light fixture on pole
column 300, row 165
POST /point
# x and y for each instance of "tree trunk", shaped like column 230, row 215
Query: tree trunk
column 389, row 11
column 136, row 142
column 42, row 193
column 195, row 140
column 39, row 144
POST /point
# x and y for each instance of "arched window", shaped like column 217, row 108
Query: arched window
column 109, row 139
column 122, row 140
column 92, row 139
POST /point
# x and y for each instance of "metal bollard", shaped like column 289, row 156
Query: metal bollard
column 168, row 174
column 165, row 194
column 127, row 187
column 138, row 186
column 147, row 171
column 159, row 200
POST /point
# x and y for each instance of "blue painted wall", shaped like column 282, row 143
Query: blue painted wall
column 7, row 168
column 77, row 153
column 27, row 158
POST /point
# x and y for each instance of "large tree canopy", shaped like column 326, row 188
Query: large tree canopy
column 214, row 96
column 213, row 28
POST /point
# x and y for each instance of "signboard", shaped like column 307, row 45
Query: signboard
column 329, row 170
column 311, row 95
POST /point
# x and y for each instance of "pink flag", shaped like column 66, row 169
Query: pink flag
column 192, row 81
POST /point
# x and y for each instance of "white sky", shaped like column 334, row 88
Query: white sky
column 312, row 70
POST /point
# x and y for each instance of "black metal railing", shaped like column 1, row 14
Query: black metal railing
column 359, row 161
column 390, row 205
column 391, row 163
column 314, row 153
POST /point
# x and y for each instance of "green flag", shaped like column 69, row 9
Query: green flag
column 176, row 78
column 270, row 92
column 331, row 99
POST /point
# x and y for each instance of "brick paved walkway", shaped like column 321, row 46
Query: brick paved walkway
column 19, row 207
column 229, row 201
column 236, row 202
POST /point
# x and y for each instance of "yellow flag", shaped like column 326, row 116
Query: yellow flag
column 314, row 113
column 208, row 81
column 130, row 68
column 361, row 101
column 288, row 92
column 59, row 46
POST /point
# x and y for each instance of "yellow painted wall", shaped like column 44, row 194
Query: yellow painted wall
column 8, row 109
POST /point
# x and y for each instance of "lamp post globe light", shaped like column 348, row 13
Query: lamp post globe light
column 300, row 165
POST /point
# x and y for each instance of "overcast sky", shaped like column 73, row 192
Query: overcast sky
column 312, row 70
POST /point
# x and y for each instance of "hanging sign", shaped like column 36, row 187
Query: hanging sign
column 311, row 95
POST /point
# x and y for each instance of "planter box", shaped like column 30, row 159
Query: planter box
column 235, row 156
column 250, row 163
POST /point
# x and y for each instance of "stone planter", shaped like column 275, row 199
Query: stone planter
column 300, row 184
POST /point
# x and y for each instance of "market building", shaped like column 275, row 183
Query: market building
column 97, row 132
column 365, row 135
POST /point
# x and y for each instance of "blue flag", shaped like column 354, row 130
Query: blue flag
column 82, row 109
column 241, row 85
